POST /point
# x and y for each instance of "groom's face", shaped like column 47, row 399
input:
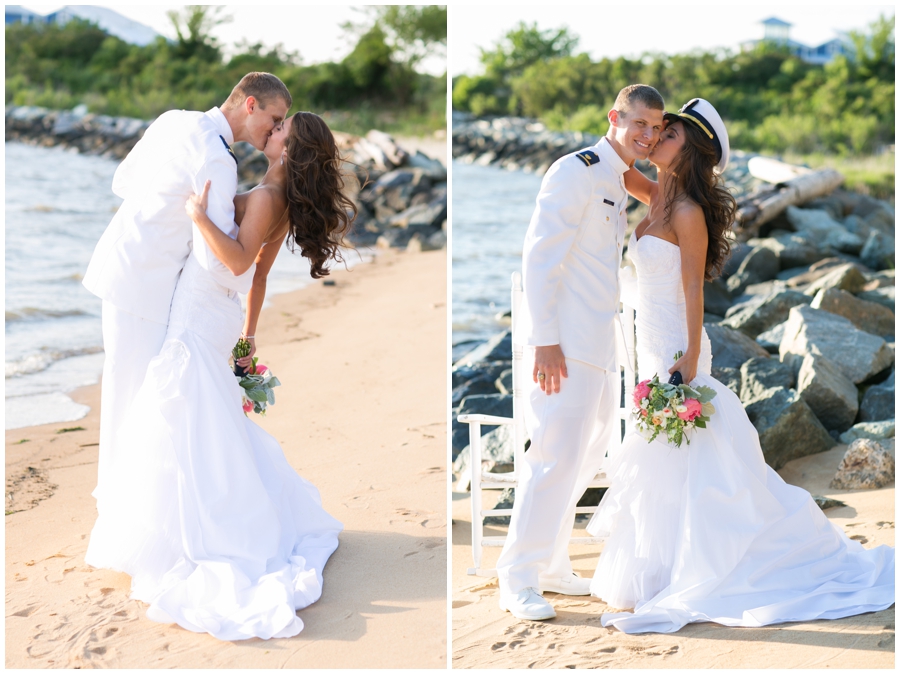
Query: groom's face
column 637, row 130
column 261, row 121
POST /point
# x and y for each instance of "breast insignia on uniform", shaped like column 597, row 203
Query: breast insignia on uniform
column 589, row 158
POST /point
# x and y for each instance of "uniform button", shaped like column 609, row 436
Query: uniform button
column 607, row 218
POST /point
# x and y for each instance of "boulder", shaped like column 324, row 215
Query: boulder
column 495, row 405
column 498, row 347
column 505, row 502
column 878, row 251
column 868, row 316
column 823, row 230
column 731, row 348
column 824, row 502
column 395, row 237
column 760, row 374
column 880, row 218
column 504, row 382
column 770, row 340
column 883, row 296
column 739, row 250
column 844, row 277
column 757, row 317
column 787, row 428
column 496, row 456
column 791, row 248
column 874, row 430
column 760, row 265
column 482, row 385
column 857, row 354
column 463, row 373
column 730, row 376
column 830, row 395
column 878, row 401
column 716, row 298
column 866, row 465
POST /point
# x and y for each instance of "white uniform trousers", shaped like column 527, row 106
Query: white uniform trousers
column 570, row 434
column 130, row 342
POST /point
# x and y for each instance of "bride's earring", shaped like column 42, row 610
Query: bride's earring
column 282, row 158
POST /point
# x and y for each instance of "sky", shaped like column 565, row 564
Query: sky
column 664, row 27
column 312, row 30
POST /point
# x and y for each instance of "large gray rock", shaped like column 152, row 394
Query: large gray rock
column 498, row 347
column 843, row 277
column 463, row 373
column 866, row 465
column 822, row 229
column 731, row 348
column 739, row 250
column 496, row 456
column 716, row 298
column 759, row 266
column 787, row 428
column 791, row 248
column 857, row 354
column 868, row 316
column 760, row 374
column 755, row 318
column 874, row 430
column 878, row 252
column 730, row 376
column 495, row 405
column 482, row 385
column 770, row 340
column 830, row 395
column 885, row 296
column 878, row 403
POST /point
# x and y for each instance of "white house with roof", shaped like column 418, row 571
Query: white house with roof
column 778, row 32
column 108, row 20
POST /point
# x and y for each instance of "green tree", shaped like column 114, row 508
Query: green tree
column 194, row 26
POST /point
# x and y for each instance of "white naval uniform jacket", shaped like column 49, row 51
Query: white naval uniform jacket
column 139, row 257
column 571, row 258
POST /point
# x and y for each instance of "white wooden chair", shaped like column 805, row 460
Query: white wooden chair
column 481, row 480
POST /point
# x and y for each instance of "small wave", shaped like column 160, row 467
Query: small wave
column 35, row 313
column 36, row 362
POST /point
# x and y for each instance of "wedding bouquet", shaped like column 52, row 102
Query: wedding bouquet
column 671, row 408
column 256, row 383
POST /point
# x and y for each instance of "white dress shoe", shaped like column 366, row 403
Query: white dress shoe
column 527, row 605
column 574, row 585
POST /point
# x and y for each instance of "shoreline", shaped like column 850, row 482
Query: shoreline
column 369, row 435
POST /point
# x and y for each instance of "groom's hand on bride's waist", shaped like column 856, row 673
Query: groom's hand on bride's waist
column 549, row 367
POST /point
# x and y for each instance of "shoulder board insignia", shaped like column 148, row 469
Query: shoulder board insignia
column 588, row 157
column 228, row 147
column 608, row 202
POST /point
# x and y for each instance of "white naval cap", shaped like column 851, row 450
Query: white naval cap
column 701, row 113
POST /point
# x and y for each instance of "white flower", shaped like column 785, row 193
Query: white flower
column 645, row 403
column 680, row 409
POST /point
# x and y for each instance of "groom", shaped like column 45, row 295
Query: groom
column 570, row 262
column 139, row 258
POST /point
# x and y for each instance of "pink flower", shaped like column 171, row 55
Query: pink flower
column 260, row 369
column 694, row 410
column 644, row 413
column 248, row 406
column 641, row 391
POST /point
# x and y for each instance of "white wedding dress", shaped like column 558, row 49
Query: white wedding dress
column 202, row 510
column 708, row 531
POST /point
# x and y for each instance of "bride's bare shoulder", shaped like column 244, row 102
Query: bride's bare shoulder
column 688, row 222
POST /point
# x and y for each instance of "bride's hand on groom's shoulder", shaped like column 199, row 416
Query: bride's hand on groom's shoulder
column 197, row 204
column 549, row 368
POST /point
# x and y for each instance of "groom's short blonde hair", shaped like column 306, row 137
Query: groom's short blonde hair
column 264, row 87
column 638, row 93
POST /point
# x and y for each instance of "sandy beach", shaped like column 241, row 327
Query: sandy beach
column 486, row 637
column 361, row 414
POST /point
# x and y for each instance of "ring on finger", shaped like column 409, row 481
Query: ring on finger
column 541, row 376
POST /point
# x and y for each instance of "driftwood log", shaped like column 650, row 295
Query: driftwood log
column 754, row 210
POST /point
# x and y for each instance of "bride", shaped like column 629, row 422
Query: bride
column 709, row 532
column 216, row 529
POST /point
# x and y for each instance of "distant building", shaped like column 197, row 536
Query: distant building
column 108, row 20
column 18, row 14
column 778, row 32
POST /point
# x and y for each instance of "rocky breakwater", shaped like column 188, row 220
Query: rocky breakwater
column 802, row 330
column 401, row 196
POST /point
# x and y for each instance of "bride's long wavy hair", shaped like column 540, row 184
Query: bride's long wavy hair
column 319, row 213
column 696, row 180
